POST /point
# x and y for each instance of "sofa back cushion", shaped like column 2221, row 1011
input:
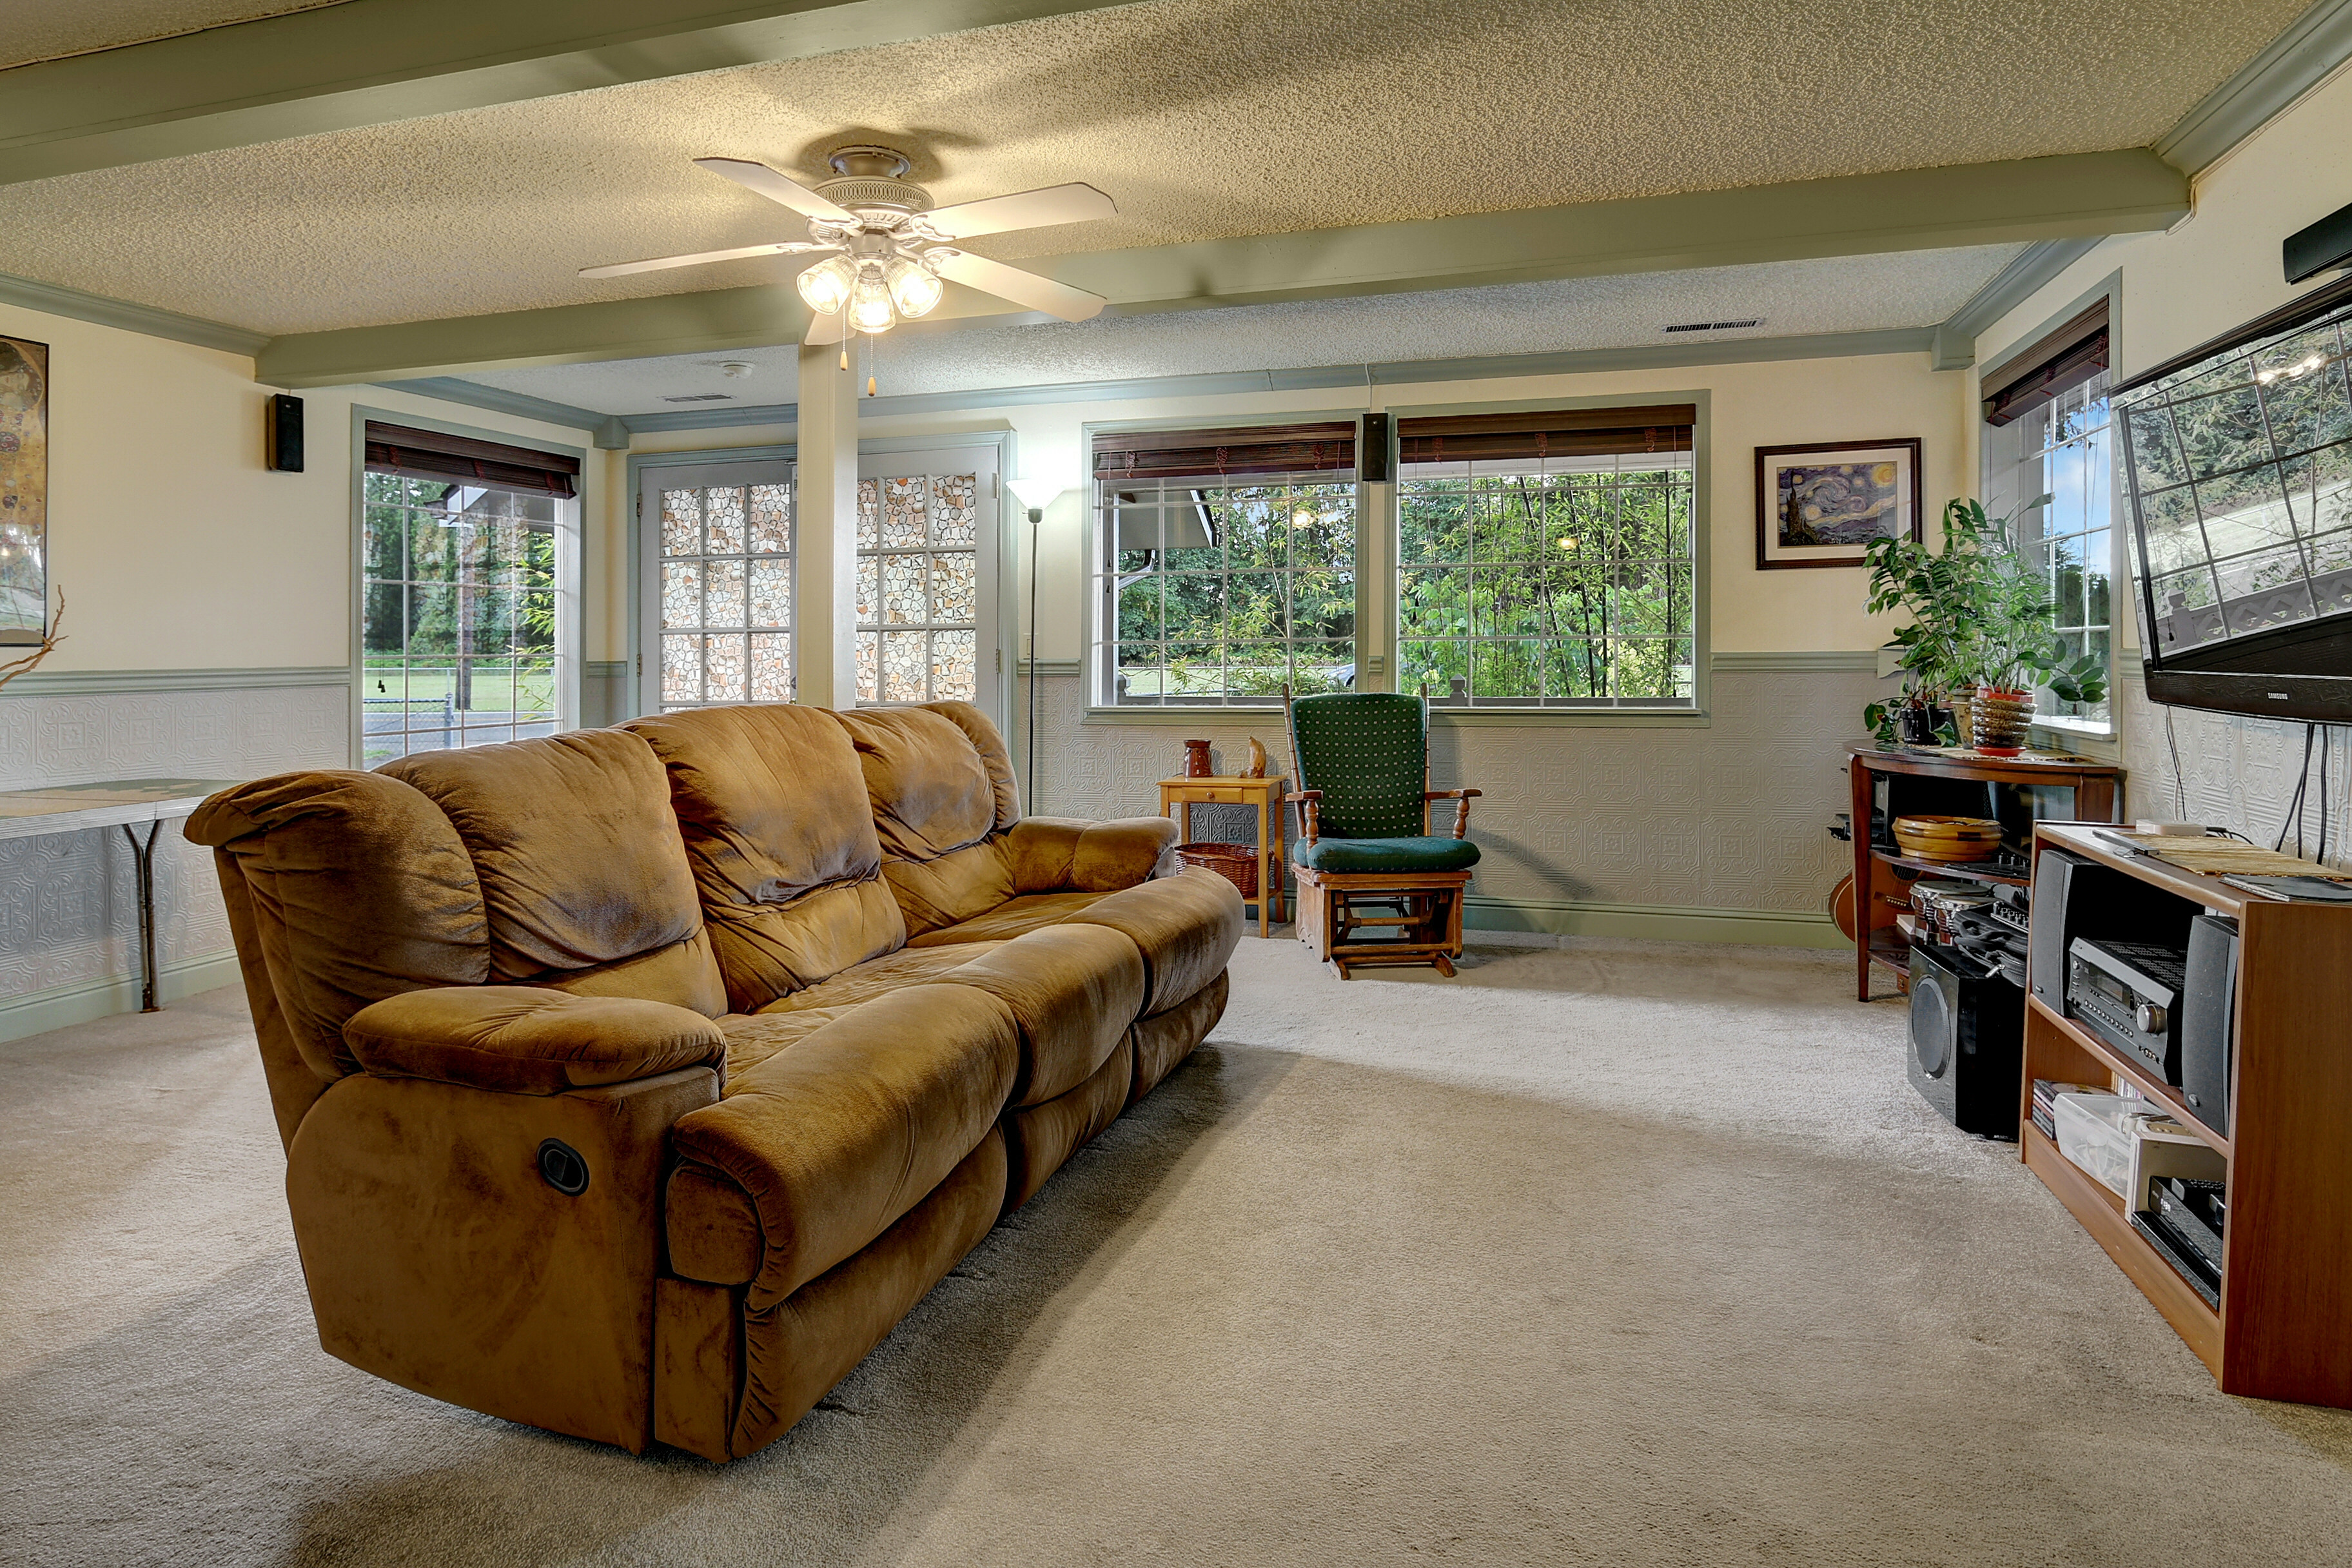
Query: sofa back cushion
column 941, row 787
column 359, row 889
column 580, row 865
column 773, row 810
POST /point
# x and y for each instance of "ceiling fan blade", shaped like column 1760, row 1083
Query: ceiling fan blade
column 1022, row 209
column 777, row 188
column 624, row 269
column 1021, row 288
column 827, row 329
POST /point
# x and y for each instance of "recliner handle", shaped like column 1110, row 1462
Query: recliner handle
column 562, row 1167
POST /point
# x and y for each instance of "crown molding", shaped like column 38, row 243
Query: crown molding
column 56, row 299
column 1955, row 345
column 2294, row 62
column 609, row 432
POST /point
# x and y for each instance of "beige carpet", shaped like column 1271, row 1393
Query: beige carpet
column 1616, row 1254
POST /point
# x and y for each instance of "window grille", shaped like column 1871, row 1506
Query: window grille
column 726, row 594
column 919, row 588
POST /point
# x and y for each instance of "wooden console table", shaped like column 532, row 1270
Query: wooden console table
column 1883, row 875
column 127, row 803
column 1177, row 796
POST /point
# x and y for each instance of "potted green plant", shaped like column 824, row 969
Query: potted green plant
column 2015, row 643
column 1941, row 590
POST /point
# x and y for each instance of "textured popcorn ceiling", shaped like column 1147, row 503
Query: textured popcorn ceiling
column 1203, row 117
column 46, row 29
column 1794, row 298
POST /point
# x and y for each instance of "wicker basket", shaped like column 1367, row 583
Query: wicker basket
column 1237, row 863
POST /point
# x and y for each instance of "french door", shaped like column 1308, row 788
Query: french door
column 716, row 565
column 927, row 577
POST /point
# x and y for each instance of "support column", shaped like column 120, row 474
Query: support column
column 824, row 543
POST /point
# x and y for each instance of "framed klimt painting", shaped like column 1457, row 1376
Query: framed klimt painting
column 24, row 492
column 1819, row 505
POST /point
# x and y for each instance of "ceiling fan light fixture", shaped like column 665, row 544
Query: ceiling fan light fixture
column 913, row 286
column 825, row 288
column 869, row 305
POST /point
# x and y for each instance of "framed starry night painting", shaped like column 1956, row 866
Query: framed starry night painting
column 24, row 492
column 1819, row 505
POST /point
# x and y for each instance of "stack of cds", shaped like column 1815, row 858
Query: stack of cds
column 2045, row 1092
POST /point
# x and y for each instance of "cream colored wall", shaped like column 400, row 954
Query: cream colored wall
column 2217, row 268
column 177, row 549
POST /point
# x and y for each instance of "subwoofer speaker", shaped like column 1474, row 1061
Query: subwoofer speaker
column 283, row 441
column 1968, row 1041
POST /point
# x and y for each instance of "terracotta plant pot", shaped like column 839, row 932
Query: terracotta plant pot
column 1999, row 719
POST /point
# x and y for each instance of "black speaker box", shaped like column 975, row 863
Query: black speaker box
column 282, row 442
column 1968, row 1041
column 2074, row 897
column 2208, row 1012
column 1374, row 449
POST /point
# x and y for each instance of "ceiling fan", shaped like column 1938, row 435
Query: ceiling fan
column 888, row 248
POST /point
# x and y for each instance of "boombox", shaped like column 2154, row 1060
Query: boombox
column 1968, row 1041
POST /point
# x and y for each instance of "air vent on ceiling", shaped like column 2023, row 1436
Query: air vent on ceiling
column 1715, row 326
column 703, row 397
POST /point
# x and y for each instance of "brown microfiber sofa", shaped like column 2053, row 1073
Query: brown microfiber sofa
column 799, row 994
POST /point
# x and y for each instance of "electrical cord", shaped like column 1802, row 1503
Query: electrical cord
column 2294, row 802
column 2179, row 784
column 2326, row 744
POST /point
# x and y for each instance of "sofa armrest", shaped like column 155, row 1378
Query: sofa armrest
column 524, row 1040
column 1049, row 854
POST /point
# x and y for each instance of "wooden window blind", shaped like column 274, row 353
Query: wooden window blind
column 1566, row 433
column 2054, row 363
column 430, row 455
column 1211, row 454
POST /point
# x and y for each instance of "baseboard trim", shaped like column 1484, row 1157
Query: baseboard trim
column 86, row 1001
column 1654, row 922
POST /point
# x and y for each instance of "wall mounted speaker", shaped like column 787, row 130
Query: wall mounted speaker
column 2309, row 252
column 1375, row 449
column 282, row 443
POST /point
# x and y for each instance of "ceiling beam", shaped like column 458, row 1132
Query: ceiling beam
column 2076, row 196
column 371, row 62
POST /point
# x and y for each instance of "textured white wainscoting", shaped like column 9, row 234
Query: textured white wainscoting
column 2234, row 772
column 69, row 901
column 1716, row 834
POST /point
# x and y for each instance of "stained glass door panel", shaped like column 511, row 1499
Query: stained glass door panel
column 717, row 548
column 925, row 622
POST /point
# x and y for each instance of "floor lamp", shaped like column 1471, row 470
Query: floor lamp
column 1037, row 495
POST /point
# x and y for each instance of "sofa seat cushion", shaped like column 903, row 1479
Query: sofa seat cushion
column 834, row 1138
column 1186, row 925
column 752, row 1038
column 1031, row 912
column 1074, row 989
column 1344, row 857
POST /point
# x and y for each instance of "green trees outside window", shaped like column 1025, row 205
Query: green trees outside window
column 457, row 615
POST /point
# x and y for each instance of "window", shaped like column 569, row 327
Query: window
column 918, row 587
column 726, row 576
column 2047, row 433
column 1225, row 564
column 1546, row 560
column 464, row 551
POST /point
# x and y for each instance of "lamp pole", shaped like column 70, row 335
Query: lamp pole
column 1029, row 787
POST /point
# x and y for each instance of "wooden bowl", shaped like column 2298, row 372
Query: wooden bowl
column 1953, row 838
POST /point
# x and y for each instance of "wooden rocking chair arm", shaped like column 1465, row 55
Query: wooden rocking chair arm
column 1312, row 800
column 1462, row 797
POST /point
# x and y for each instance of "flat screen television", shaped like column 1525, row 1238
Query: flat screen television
column 2237, row 459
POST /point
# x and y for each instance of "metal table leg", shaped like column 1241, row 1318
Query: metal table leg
column 144, row 856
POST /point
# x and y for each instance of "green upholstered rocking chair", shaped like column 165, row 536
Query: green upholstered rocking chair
column 1375, row 886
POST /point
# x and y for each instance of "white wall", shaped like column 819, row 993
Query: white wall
column 2217, row 268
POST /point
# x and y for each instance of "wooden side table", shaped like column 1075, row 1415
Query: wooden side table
column 1182, row 794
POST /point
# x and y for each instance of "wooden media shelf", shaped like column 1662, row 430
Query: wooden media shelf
column 2284, row 1328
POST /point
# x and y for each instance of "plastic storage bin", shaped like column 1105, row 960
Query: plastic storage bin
column 2093, row 1132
